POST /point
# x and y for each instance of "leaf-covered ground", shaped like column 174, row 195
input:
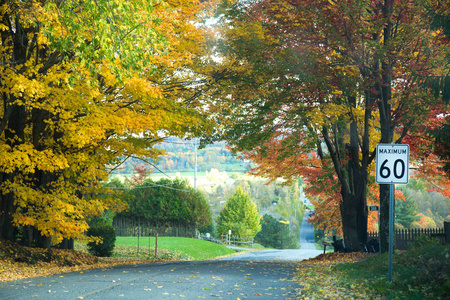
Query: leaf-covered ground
column 318, row 281
column 18, row 262
column 419, row 273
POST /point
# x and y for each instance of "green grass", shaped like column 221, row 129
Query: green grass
column 171, row 248
column 419, row 273
column 189, row 248
column 257, row 246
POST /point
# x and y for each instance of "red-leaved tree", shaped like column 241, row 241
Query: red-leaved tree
column 315, row 85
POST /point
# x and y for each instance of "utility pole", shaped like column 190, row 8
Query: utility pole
column 195, row 167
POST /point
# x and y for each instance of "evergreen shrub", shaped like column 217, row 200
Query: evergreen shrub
column 108, row 235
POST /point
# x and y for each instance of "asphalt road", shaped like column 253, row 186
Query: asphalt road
column 307, row 249
column 307, row 234
column 258, row 275
column 185, row 280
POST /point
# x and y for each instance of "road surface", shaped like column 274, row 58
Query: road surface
column 307, row 234
column 307, row 248
column 216, row 279
column 257, row 275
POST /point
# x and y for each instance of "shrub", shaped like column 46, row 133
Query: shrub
column 108, row 235
column 423, row 240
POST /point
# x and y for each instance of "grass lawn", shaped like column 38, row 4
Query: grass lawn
column 171, row 248
column 188, row 248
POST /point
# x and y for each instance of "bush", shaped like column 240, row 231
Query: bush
column 108, row 235
column 208, row 229
column 423, row 240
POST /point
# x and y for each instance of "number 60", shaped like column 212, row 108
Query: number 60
column 385, row 172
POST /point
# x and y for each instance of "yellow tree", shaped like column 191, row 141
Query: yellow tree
column 84, row 86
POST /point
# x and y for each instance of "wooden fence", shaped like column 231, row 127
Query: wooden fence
column 144, row 227
column 403, row 237
column 235, row 241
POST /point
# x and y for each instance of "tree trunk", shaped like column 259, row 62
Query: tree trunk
column 349, row 224
column 354, row 214
column 384, row 217
column 66, row 244
column 6, row 215
column 353, row 179
column 41, row 241
column 15, row 133
column 386, row 127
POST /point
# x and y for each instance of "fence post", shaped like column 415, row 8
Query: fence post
column 156, row 245
column 447, row 232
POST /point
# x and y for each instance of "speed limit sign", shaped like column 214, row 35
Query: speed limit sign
column 392, row 164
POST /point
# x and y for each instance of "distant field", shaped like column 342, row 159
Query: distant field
column 174, row 174
column 165, row 174
column 184, row 174
column 202, row 180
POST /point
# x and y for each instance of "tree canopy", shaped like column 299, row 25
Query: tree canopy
column 315, row 85
column 168, row 200
column 303, row 87
column 85, row 85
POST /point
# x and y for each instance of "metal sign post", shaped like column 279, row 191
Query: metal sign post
column 392, row 166
column 391, row 228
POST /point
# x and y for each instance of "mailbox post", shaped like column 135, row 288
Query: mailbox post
column 377, row 209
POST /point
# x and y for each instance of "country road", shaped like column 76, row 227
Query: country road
column 266, row 274
column 183, row 280
column 307, row 248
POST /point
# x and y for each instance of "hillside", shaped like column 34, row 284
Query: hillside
column 181, row 158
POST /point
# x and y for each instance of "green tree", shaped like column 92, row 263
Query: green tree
column 406, row 212
column 268, row 236
column 169, row 200
column 275, row 234
column 240, row 215
column 430, row 204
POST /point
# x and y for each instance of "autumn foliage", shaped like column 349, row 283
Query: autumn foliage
column 315, row 85
column 83, row 87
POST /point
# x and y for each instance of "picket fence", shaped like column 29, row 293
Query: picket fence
column 403, row 237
